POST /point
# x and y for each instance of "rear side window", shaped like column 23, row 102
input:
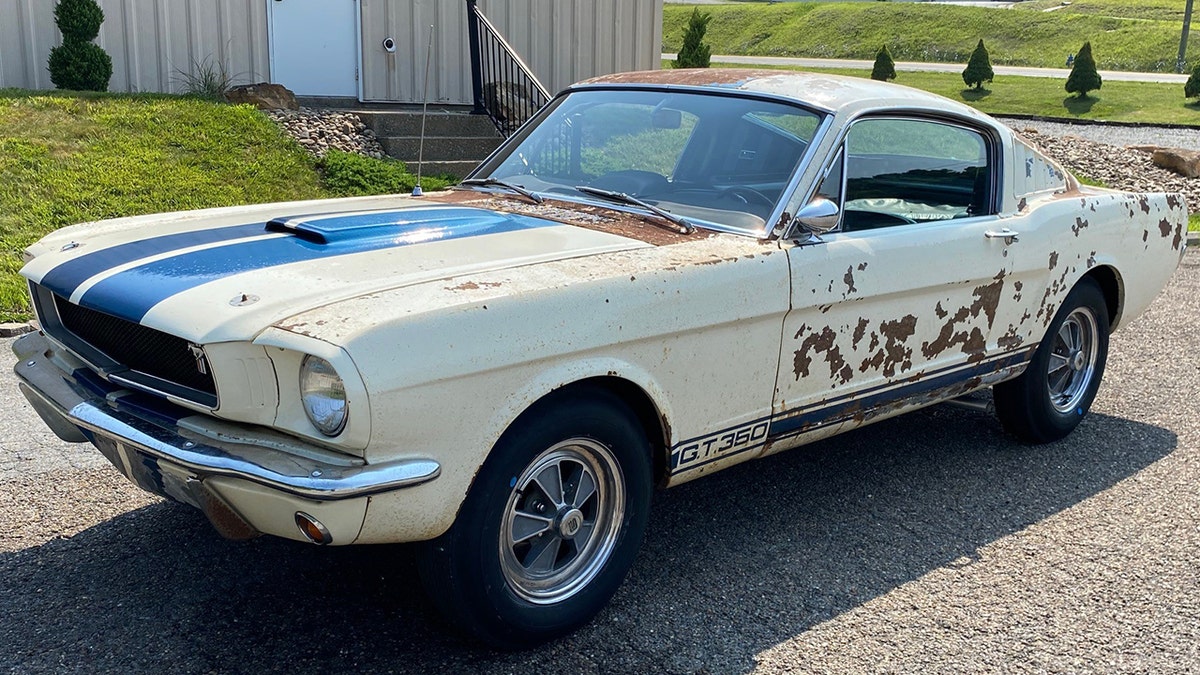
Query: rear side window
column 901, row 171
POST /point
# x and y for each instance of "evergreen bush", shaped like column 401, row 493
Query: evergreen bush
column 1192, row 88
column 77, row 63
column 979, row 68
column 695, row 53
column 1084, row 77
column 885, row 67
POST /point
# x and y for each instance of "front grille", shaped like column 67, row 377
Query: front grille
column 141, row 349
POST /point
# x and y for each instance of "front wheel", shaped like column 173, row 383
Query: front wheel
column 550, row 527
column 1054, row 393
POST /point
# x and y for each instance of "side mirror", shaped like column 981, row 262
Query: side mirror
column 818, row 216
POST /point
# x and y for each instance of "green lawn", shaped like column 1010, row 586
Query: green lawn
column 1143, row 102
column 1144, row 37
column 67, row 159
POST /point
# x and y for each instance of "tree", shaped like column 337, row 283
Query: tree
column 1083, row 77
column 77, row 63
column 694, row 53
column 885, row 67
column 1192, row 88
column 979, row 68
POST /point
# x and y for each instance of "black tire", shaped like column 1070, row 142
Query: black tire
column 482, row 582
column 1056, row 391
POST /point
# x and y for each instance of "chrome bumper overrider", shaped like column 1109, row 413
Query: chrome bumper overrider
column 67, row 408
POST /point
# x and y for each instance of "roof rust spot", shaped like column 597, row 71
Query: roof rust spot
column 687, row 76
column 473, row 285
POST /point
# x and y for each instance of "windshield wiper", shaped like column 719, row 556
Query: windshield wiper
column 496, row 182
column 684, row 226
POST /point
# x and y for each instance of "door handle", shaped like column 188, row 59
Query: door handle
column 1006, row 234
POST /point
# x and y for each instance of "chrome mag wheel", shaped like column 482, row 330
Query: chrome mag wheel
column 1072, row 364
column 562, row 521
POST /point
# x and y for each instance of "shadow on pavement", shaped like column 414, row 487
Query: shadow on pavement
column 733, row 564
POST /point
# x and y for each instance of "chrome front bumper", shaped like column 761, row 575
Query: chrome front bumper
column 127, row 438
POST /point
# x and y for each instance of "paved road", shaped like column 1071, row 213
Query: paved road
column 916, row 66
column 927, row 543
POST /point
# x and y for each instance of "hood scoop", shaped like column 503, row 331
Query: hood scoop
column 408, row 226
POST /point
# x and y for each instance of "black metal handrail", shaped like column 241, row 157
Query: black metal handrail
column 505, row 89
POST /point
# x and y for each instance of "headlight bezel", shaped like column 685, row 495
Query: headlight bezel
column 323, row 396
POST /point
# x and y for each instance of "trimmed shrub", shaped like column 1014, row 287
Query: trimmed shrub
column 1084, row 77
column 695, row 53
column 1192, row 88
column 77, row 63
column 78, row 20
column 885, row 67
column 979, row 68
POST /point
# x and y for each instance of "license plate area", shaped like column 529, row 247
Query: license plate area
column 149, row 473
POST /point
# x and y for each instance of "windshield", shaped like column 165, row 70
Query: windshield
column 714, row 160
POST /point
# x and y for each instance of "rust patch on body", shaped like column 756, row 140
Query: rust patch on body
column 1053, row 259
column 817, row 343
column 646, row 229
column 859, row 331
column 1080, row 225
column 1091, row 261
column 1178, row 237
column 987, row 299
column 895, row 352
column 1144, row 202
column 1174, row 201
column 848, row 279
column 472, row 286
column 1022, row 205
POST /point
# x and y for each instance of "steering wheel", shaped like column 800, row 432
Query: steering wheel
column 746, row 195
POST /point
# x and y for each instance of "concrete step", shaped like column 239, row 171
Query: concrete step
column 458, row 169
column 439, row 148
column 437, row 123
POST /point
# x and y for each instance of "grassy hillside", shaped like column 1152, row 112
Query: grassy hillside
column 1143, row 37
column 67, row 159
column 1158, row 10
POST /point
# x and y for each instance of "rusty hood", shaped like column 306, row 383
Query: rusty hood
column 228, row 276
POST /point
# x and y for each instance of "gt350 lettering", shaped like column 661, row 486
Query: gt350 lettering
column 690, row 454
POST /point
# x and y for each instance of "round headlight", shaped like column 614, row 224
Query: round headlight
column 324, row 395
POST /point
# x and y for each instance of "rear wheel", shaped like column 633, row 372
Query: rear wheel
column 1054, row 393
column 551, row 526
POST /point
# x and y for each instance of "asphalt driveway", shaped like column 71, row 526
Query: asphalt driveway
column 932, row 542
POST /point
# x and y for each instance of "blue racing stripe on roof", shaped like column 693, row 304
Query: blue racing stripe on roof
column 67, row 277
column 132, row 293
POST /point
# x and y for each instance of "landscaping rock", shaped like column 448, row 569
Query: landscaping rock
column 8, row 330
column 1119, row 168
column 320, row 131
column 1182, row 162
column 264, row 96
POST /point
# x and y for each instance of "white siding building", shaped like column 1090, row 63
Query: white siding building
column 373, row 50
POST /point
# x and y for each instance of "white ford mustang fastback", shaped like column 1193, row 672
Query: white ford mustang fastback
column 662, row 275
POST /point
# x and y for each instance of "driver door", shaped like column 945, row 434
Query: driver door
column 909, row 296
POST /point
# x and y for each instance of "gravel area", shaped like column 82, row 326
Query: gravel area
column 320, row 131
column 1118, row 135
column 1102, row 153
column 928, row 543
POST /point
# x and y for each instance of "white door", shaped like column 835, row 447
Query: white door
column 314, row 46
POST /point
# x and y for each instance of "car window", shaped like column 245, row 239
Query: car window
column 901, row 171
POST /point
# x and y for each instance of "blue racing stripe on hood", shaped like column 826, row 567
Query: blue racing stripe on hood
column 132, row 293
column 65, row 278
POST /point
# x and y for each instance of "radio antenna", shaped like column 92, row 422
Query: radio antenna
column 417, row 192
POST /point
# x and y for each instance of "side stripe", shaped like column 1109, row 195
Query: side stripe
column 702, row 450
